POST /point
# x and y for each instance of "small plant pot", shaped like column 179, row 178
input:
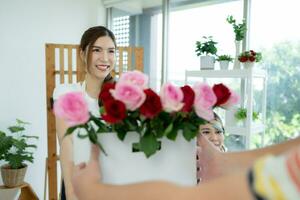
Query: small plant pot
column 207, row 62
column 224, row 64
column 248, row 65
column 13, row 177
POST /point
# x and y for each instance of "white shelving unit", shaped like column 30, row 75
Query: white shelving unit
column 247, row 77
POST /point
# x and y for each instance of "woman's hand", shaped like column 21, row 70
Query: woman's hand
column 86, row 176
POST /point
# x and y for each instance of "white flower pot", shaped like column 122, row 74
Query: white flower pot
column 176, row 161
column 248, row 65
column 224, row 64
column 207, row 62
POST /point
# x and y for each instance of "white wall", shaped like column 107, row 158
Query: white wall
column 25, row 27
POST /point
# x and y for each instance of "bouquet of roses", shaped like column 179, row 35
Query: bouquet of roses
column 130, row 106
column 250, row 56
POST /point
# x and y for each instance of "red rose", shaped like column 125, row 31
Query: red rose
column 188, row 98
column 152, row 105
column 105, row 94
column 243, row 59
column 222, row 93
column 252, row 58
column 115, row 111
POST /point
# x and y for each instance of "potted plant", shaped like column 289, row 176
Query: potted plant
column 206, row 49
column 240, row 32
column 241, row 114
column 224, row 61
column 249, row 57
column 15, row 151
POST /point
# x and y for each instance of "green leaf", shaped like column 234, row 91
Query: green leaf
column 70, row 130
column 173, row 134
column 28, row 136
column 131, row 124
column 82, row 135
column 17, row 161
column 136, row 147
column 5, row 144
column 22, row 122
column 189, row 131
column 2, row 134
column 31, row 146
column 15, row 129
column 168, row 129
column 157, row 125
column 94, row 139
column 149, row 144
column 121, row 135
column 19, row 144
column 120, row 130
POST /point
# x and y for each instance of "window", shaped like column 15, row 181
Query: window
column 191, row 24
column 121, row 30
column 276, row 35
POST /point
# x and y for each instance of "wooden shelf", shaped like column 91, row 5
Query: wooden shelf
column 27, row 192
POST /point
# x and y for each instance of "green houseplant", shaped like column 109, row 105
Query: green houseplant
column 206, row 49
column 15, row 151
column 224, row 58
column 241, row 114
column 240, row 30
column 224, row 61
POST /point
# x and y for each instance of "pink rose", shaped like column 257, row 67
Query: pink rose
column 205, row 113
column 233, row 100
column 204, row 95
column 135, row 77
column 205, row 99
column 131, row 95
column 171, row 97
column 73, row 108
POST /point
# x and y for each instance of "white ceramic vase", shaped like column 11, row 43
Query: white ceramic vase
column 237, row 64
column 248, row 65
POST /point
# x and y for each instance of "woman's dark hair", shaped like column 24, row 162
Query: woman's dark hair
column 218, row 118
column 90, row 36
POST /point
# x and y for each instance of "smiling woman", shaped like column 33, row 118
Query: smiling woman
column 214, row 132
column 97, row 52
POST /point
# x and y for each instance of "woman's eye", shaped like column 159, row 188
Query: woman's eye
column 112, row 51
column 96, row 50
column 205, row 132
column 219, row 132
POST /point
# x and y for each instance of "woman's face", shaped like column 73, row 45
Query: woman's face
column 102, row 57
column 213, row 132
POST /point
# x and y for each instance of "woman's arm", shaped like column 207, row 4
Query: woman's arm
column 215, row 190
column 261, row 181
column 214, row 163
column 66, row 157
